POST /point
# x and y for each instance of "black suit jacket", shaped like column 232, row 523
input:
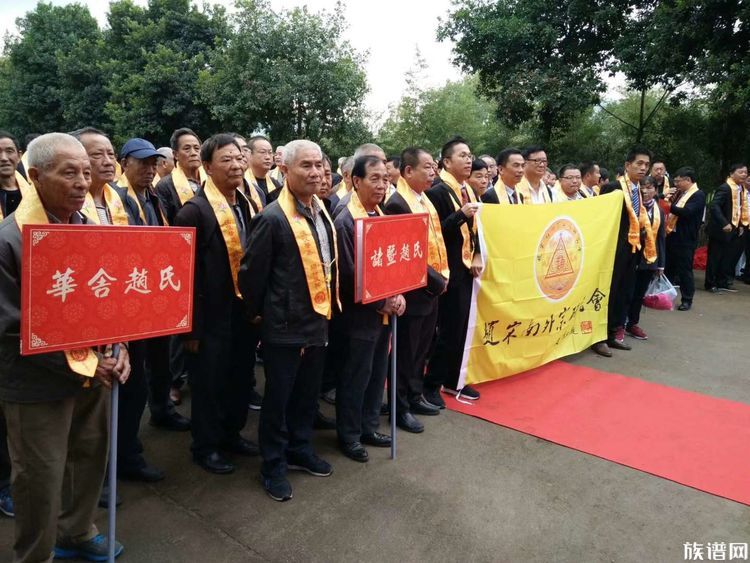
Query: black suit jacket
column 215, row 303
column 689, row 221
column 624, row 228
column 490, row 196
column 273, row 284
column 361, row 321
column 443, row 198
column 720, row 214
column 419, row 302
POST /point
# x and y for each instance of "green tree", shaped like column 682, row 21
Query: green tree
column 51, row 71
column 287, row 74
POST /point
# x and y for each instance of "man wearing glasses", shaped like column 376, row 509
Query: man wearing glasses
column 532, row 185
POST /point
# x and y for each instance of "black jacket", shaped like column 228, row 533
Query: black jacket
column 443, row 198
column 168, row 198
column 273, row 284
column 419, row 302
column 624, row 228
column 215, row 303
column 690, row 218
column 720, row 214
column 490, row 196
column 361, row 321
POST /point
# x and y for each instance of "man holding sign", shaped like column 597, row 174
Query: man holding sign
column 55, row 404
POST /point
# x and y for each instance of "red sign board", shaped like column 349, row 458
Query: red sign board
column 391, row 255
column 85, row 285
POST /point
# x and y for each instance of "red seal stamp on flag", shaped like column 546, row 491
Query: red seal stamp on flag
column 559, row 259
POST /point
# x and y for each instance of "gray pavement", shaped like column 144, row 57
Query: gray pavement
column 465, row 489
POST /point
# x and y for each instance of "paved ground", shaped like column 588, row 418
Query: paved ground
column 463, row 490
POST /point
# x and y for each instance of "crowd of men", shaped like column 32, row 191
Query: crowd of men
column 274, row 278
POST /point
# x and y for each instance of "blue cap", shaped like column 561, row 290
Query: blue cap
column 138, row 148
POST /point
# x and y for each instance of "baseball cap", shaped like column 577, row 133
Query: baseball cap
column 138, row 148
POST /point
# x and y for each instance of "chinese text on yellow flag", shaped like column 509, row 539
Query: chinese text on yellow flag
column 544, row 290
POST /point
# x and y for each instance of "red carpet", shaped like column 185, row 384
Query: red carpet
column 692, row 439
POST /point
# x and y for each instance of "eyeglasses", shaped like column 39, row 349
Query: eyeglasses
column 538, row 160
column 571, row 178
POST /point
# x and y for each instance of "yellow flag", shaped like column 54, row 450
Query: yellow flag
column 544, row 290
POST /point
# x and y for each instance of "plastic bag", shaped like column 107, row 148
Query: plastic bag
column 660, row 294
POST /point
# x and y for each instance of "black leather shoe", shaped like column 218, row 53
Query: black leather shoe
column 433, row 397
column 385, row 409
column 355, row 451
column 602, row 349
column 173, row 421
column 214, row 463
column 376, row 439
column 619, row 344
column 323, row 422
column 684, row 306
column 242, row 446
column 421, row 406
column 145, row 473
column 407, row 421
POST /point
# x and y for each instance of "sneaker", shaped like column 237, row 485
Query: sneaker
column 636, row 332
column 6, row 503
column 256, row 401
column 618, row 340
column 95, row 549
column 312, row 465
column 434, row 398
column 466, row 392
column 278, row 488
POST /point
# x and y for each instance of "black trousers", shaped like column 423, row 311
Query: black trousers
column 4, row 455
column 642, row 279
column 414, row 339
column 132, row 403
column 290, row 402
column 159, row 376
column 736, row 248
column 336, row 353
column 622, row 287
column 679, row 269
column 177, row 364
column 359, row 391
column 723, row 254
column 219, row 378
column 453, row 320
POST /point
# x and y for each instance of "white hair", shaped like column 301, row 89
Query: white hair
column 366, row 150
column 43, row 149
column 166, row 152
column 280, row 148
column 347, row 165
column 292, row 148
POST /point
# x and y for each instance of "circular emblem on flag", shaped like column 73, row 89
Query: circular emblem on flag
column 79, row 355
column 559, row 259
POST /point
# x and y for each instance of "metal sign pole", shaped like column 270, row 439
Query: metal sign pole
column 394, row 329
column 112, row 501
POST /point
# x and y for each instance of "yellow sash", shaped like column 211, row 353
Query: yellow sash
column 467, row 250
column 318, row 284
column 585, row 191
column 276, row 174
column 123, row 182
column 30, row 211
column 253, row 192
column 25, row 162
column 502, row 194
column 228, row 226
column 638, row 222
column 524, row 187
column 23, row 186
column 655, row 222
column 739, row 212
column 436, row 254
column 182, row 185
column 113, row 202
column 343, row 190
column 270, row 186
column 155, row 180
column 672, row 218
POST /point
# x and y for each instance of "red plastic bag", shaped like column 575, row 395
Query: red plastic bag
column 660, row 294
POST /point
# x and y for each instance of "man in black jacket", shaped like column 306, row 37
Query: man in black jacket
column 288, row 278
column 416, row 328
column 726, row 225
column 219, row 370
column 510, row 164
column 687, row 205
column 359, row 390
column 456, row 205
column 179, row 186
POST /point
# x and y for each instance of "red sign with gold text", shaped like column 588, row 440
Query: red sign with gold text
column 85, row 285
column 391, row 255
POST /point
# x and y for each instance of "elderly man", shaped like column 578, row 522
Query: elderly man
column 276, row 172
column 185, row 178
column 55, row 404
column 491, row 168
column 661, row 181
column 220, row 375
column 260, row 159
column 368, row 149
column 456, row 206
column 164, row 165
column 359, row 390
column 289, row 278
column 416, row 328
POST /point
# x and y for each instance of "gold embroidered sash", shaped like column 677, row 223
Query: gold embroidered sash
column 637, row 222
column 672, row 218
column 112, row 201
column 467, row 249
column 524, row 187
column 318, row 282
column 228, row 227
column 739, row 212
column 30, row 211
column 253, row 192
